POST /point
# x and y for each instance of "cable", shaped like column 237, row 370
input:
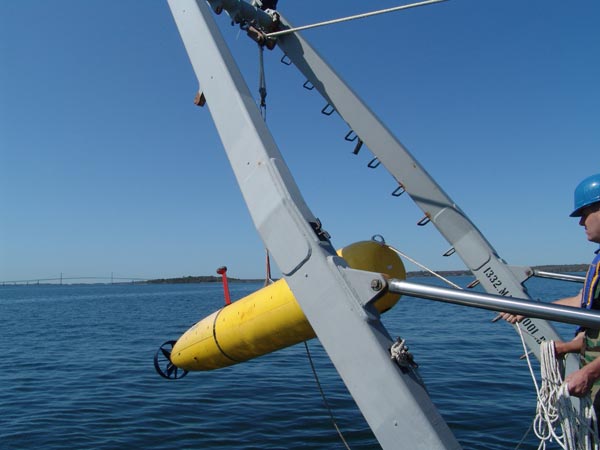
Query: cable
column 346, row 19
column 325, row 402
column 445, row 280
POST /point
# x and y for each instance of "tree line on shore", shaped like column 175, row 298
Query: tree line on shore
column 557, row 268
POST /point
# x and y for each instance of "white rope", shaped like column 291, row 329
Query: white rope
column 555, row 411
column 346, row 19
column 435, row 274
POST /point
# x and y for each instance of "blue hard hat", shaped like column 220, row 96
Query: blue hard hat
column 586, row 193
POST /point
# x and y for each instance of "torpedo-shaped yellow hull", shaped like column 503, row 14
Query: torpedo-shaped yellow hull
column 270, row 318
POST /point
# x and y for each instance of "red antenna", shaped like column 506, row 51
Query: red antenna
column 223, row 272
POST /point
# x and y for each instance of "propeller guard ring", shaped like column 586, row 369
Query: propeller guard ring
column 162, row 357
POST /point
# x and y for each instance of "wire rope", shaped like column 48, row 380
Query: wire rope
column 325, row 402
column 355, row 17
column 435, row 274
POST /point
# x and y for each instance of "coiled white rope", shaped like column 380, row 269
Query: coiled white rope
column 554, row 407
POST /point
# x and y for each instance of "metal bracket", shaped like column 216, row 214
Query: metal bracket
column 374, row 163
column 319, row 231
column 368, row 286
column 450, row 252
column 399, row 190
column 351, row 136
column 308, row 85
column 285, row 59
column 400, row 354
column 424, row 221
column 328, row 109
column 522, row 273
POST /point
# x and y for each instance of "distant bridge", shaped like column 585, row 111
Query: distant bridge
column 75, row 280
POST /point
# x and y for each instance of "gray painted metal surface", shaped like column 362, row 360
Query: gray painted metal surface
column 493, row 273
column 393, row 401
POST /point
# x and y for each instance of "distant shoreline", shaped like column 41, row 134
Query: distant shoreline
column 563, row 268
column 556, row 268
column 201, row 279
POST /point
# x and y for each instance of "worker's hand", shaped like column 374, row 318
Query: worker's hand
column 579, row 383
column 511, row 318
column 574, row 346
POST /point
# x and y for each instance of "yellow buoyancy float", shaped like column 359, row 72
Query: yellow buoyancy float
column 270, row 318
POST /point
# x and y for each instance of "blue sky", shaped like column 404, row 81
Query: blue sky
column 106, row 166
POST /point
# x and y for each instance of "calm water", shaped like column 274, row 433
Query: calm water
column 78, row 374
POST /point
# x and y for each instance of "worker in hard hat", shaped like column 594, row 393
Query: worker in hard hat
column 586, row 379
column 587, row 341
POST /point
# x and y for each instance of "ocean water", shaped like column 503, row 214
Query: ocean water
column 77, row 373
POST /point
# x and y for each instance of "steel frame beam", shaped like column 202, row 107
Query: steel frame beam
column 495, row 276
column 392, row 399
